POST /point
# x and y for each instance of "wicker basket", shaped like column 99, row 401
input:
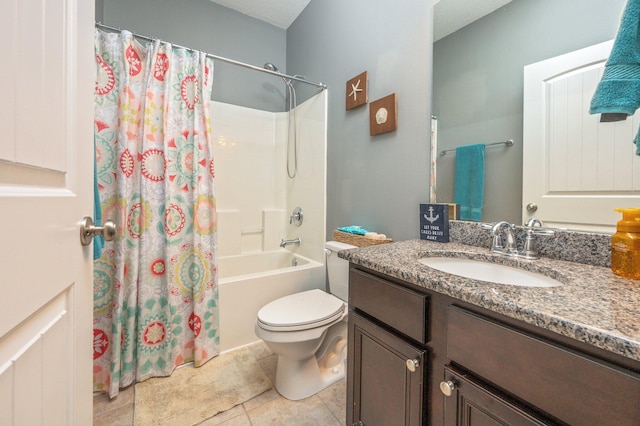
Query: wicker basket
column 357, row 240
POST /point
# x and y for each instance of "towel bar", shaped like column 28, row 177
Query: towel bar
column 507, row 143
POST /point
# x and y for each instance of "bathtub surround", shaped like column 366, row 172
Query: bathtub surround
column 155, row 286
column 255, row 198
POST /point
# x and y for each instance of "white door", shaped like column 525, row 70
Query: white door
column 576, row 169
column 46, row 170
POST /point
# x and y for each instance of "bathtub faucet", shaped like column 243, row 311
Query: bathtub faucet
column 285, row 243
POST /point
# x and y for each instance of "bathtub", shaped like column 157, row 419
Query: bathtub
column 248, row 282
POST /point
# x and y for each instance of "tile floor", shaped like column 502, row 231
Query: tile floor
column 327, row 408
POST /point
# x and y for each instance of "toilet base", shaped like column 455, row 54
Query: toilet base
column 301, row 379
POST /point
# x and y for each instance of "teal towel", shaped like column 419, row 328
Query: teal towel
column 469, row 184
column 98, row 241
column 356, row 230
column 619, row 88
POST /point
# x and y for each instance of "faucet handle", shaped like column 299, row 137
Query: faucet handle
column 533, row 222
column 534, row 227
column 296, row 217
column 530, row 249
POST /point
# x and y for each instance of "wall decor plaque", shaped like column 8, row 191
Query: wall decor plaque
column 383, row 115
column 356, row 91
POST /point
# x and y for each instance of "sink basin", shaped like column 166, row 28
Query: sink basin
column 490, row 272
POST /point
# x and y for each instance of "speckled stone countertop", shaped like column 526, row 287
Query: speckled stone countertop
column 593, row 305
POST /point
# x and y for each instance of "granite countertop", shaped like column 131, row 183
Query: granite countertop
column 594, row 305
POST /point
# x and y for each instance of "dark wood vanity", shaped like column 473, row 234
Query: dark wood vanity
column 417, row 357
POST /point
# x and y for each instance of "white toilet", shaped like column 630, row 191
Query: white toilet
column 308, row 332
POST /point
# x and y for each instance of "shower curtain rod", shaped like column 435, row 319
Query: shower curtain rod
column 319, row 85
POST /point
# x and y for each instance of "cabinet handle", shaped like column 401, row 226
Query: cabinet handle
column 413, row 364
column 447, row 387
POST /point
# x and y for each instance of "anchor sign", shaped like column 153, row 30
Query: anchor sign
column 431, row 218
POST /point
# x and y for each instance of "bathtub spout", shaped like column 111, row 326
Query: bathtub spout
column 285, row 243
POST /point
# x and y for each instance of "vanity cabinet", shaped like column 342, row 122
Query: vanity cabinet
column 387, row 358
column 418, row 357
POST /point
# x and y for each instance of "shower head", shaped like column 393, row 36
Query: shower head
column 269, row 66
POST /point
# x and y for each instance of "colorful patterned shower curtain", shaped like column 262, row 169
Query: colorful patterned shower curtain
column 155, row 286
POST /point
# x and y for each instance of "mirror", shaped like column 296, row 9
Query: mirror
column 478, row 81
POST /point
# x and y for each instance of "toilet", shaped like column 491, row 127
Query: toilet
column 308, row 332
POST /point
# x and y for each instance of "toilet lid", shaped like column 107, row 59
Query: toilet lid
column 301, row 311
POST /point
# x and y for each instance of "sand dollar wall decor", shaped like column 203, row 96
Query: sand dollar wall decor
column 383, row 115
column 356, row 92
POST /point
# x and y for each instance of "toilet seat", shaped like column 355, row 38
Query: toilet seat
column 301, row 311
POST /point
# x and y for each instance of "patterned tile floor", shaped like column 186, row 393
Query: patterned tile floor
column 327, row 408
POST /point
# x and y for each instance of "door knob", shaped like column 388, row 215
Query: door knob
column 532, row 207
column 88, row 230
column 447, row 387
column 413, row 364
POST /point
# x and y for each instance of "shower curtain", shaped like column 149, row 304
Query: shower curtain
column 155, row 286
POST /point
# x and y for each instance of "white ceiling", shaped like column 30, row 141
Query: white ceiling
column 280, row 13
column 449, row 15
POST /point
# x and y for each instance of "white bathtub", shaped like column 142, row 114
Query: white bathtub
column 248, row 282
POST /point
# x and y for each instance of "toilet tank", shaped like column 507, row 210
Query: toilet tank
column 338, row 269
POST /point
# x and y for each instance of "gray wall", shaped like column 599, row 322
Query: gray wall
column 99, row 11
column 374, row 181
column 206, row 26
column 478, row 85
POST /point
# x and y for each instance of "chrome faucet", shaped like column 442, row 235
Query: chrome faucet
column 285, row 243
column 510, row 249
column 529, row 251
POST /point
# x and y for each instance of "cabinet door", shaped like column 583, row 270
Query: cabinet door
column 472, row 404
column 386, row 375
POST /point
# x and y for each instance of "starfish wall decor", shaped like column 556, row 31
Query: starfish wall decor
column 356, row 91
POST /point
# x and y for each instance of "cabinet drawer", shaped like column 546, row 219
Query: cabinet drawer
column 401, row 308
column 571, row 387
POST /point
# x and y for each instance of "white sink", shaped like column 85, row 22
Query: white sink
column 490, row 272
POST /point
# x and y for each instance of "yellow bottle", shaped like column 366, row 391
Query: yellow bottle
column 625, row 245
